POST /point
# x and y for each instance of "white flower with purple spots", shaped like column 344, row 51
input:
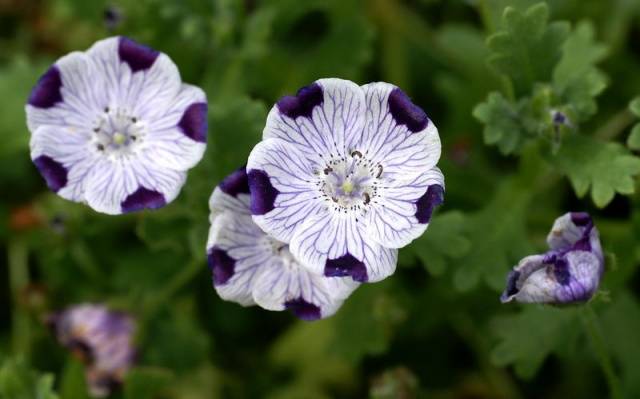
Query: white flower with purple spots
column 346, row 174
column 250, row 267
column 102, row 339
column 115, row 127
column 568, row 273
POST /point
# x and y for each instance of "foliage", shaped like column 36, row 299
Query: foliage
column 535, row 107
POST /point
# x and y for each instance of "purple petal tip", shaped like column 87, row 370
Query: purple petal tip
column 138, row 56
column 143, row 198
column 405, row 112
column 236, row 183
column 194, row 122
column 346, row 265
column 303, row 103
column 54, row 173
column 263, row 194
column 46, row 92
column 222, row 266
column 303, row 309
column 428, row 202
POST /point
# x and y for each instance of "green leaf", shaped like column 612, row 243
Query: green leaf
column 365, row 323
column 502, row 122
column 528, row 47
column 635, row 106
column 146, row 382
column 313, row 366
column 528, row 337
column 633, row 141
column 16, row 80
column 444, row 240
column 608, row 168
column 176, row 340
column 492, row 10
column 73, row 383
column 498, row 238
column 18, row 381
column 620, row 324
column 338, row 44
column 576, row 80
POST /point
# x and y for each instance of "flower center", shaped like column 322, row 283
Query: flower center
column 349, row 182
column 117, row 132
column 281, row 250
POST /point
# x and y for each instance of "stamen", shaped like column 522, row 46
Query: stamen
column 356, row 153
column 379, row 172
column 367, row 198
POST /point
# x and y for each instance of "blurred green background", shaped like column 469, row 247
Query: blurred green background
column 436, row 328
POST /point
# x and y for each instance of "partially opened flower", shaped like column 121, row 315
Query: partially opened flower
column 115, row 127
column 249, row 267
column 568, row 273
column 102, row 339
column 346, row 175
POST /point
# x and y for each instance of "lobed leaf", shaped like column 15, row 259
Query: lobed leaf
column 606, row 168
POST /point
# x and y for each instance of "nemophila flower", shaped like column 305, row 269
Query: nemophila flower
column 101, row 339
column 346, row 175
column 115, row 127
column 568, row 273
column 250, row 267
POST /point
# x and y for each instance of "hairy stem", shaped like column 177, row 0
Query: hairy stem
column 175, row 284
column 495, row 376
column 615, row 125
column 590, row 321
column 18, row 279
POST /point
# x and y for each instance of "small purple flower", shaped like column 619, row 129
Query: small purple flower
column 568, row 273
column 346, row 175
column 102, row 339
column 115, row 127
column 250, row 267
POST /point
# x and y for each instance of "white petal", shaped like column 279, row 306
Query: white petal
column 282, row 192
column 237, row 250
column 166, row 142
column 538, row 286
column 145, row 91
column 222, row 202
column 320, row 119
column 70, row 148
column 290, row 286
column 403, row 209
column 81, row 94
column 113, row 184
column 401, row 151
column 337, row 245
column 169, row 116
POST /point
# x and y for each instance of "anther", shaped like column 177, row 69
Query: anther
column 379, row 172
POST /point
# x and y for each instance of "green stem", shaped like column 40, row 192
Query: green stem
column 18, row 279
column 497, row 377
column 615, row 125
column 590, row 320
column 176, row 283
column 85, row 260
